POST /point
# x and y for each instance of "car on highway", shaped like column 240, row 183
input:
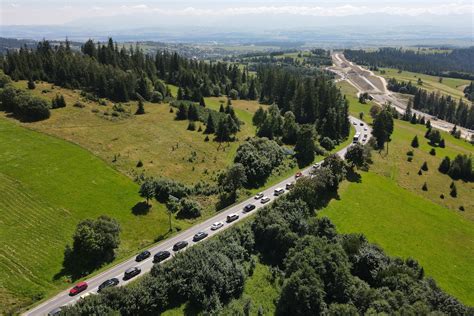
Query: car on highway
column 289, row 185
column 278, row 191
column 142, row 256
column 55, row 311
column 365, row 129
column 232, row 217
column 298, row 175
column 200, row 236
column 249, row 208
column 161, row 255
column 131, row 272
column 355, row 123
column 265, row 199
column 180, row 245
column 361, row 124
column 78, row 288
column 217, row 225
column 83, row 296
column 108, row 283
column 259, row 196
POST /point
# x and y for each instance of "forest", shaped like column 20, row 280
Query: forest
column 456, row 64
column 320, row 270
column 441, row 106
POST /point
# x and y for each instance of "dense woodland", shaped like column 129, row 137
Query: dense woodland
column 457, row 63
column 316, row 270
column 442, row 106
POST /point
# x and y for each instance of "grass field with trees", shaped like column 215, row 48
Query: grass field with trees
column 48, row 186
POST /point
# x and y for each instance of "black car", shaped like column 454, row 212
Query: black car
column 249, row 207
column 131, row 272
column 142, row 256
column 180, row 245
column 109, row 283
column 161, row 255
column 200, row 236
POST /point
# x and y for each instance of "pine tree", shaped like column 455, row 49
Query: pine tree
column 413, row 119
column 202, row 102
column 433, row 152
column 424, row 167
column 222, row 132
column 414, row 142
column 182, row 113
column 210, row 126
column 140, row 108
column 180, row 95
column 454, row 190
column 441, row 143
column 424, row 187
column 31, row 84
column 445, row 165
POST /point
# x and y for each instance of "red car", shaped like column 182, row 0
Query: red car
column 78, row 288
column 298, row 175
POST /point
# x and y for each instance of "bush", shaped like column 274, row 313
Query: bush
column 424, row 187
column 31, row 84
column 233, row 94
column 454, row 190
column 433, row 152
column 420, row 172
column 58, row 102
column 139, row 164
column 327, row 143
column 79, row 104
column 165, row 187
column 410, row 153
column 410, row 159
column 156, row 97
column 189, row 208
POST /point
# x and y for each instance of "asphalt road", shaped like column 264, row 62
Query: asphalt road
column 117, row 271
column 356, row 75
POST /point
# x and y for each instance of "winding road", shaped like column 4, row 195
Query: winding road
column 117, row 271
column 366, row 81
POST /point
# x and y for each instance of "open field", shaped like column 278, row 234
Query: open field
column 355, row 107
column 164, row 145
column 48, row 185
column 448, row 86
column 408, row 225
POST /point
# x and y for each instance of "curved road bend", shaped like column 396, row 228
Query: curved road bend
column 117, row 271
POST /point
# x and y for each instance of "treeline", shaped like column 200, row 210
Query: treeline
column 320, row 271
column 436, row 104
column 122, row 74
column 457, row 63
column 312, row 98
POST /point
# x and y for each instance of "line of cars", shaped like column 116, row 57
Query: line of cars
column 164, row 254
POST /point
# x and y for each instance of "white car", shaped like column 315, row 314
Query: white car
column 83, row 296
column 278, row 191
column 365, row 129
column 259, row 196
column 265, row 199
column 217, row 225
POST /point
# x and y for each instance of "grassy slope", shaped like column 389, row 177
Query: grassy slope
column 47, row 186
column 390, row 208
column 407, row 225
column 451, row 86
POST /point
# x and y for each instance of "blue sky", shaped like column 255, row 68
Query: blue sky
column 29, row 12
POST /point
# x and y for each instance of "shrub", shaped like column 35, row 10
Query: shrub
column 454, row 190
column 156, row 97
column 441, row 196
column 79, row 104
column 410, row 153
column 461, row 208
column 189, row 208
column 58, row 102
column 327, row 143
column 31, row 84
column 206, row 139
column 433, row 152
column 424, row 187
column 420, row 172
column 139, row 164
column 410, row 159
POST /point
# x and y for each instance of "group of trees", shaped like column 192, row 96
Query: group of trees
column 22, row 104
column 456, row 63
column 122, row 74
column 469, row 91
column 441, row 106
column 94, row 243
column 459, row 168
column 259, row 156
column 311, row 97
column 223, row 124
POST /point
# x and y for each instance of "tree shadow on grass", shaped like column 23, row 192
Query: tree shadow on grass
column 353, row 176
column 141, row 208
